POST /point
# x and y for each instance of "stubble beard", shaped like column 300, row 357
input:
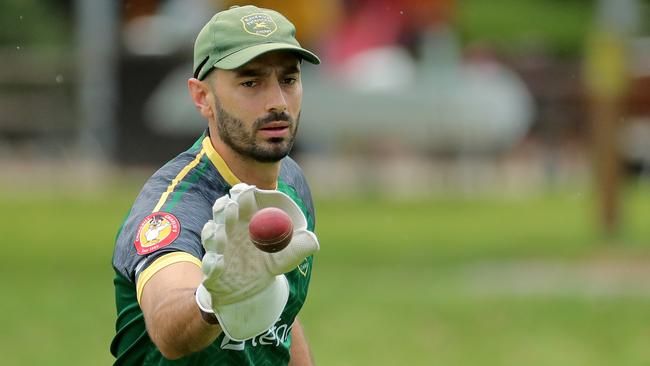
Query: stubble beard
column 234, row 134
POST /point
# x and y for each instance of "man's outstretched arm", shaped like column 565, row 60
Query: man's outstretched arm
column 171, row 314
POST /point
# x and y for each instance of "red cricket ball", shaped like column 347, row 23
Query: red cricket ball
column 270, row 229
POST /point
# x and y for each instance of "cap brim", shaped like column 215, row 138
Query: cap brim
column 241, row 57
column 251, row 317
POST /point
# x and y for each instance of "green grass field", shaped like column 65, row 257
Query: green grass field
column 449, row 281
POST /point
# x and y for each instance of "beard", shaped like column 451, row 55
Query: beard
column 234, row 134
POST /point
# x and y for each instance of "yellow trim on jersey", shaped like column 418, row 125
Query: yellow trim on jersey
column 219, row 163
column 177, row 180
column 161, row 263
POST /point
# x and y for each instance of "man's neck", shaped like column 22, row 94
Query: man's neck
column 249, row 171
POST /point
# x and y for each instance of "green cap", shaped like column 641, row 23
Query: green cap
column 237, row 35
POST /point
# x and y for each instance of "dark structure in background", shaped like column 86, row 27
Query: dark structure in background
column 40, row 84
column 138, row 77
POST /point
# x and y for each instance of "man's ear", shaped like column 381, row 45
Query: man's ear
column 200, row 94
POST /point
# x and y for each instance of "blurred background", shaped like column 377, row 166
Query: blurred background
column 481, row 171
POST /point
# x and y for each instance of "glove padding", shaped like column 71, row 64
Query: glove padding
column 244, row 286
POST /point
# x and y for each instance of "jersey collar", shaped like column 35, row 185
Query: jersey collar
column 218, row 162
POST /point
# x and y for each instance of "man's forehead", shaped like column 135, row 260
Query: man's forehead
column 282, row 60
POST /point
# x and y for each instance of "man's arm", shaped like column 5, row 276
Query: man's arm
column 171, row 314
column 300, row 354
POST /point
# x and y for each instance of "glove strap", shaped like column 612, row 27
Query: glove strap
column 207, row 315
column 209, row 318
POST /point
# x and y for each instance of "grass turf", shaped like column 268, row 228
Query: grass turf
column 390, row 285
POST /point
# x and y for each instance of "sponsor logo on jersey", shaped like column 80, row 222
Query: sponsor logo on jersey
column 259, row 24
column 275, row 336
column 156, row 231
column 304, row 267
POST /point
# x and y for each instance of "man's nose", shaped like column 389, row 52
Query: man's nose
column 275, row 98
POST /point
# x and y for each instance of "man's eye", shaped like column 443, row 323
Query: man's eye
column 289, row 81
column 249, row 84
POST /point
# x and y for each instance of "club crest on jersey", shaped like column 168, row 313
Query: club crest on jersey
column 259, row 24
column 156, row 231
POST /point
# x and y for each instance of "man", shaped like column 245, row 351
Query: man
column 191, row 289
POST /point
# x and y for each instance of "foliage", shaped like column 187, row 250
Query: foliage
column 34, row 23
column 559, row 27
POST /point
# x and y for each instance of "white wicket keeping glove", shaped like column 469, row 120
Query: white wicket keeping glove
column 244, row 286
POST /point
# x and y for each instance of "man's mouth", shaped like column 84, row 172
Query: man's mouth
column 275, row 129
column 275, row 125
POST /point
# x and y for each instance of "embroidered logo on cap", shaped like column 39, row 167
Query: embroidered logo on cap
column 156, row 231
column 259, row 24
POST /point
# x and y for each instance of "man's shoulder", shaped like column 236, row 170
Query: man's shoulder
column 169, row 212
column 293, row 180
column 171, row 169
column 190, row 170
column 290, row 169
column 292, row 175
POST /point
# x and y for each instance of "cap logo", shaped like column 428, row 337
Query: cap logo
column 259, row 24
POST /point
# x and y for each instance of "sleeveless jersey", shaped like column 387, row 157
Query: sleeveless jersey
column 165, row 223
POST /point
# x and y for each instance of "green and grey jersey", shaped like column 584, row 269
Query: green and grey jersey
column 164, row 226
